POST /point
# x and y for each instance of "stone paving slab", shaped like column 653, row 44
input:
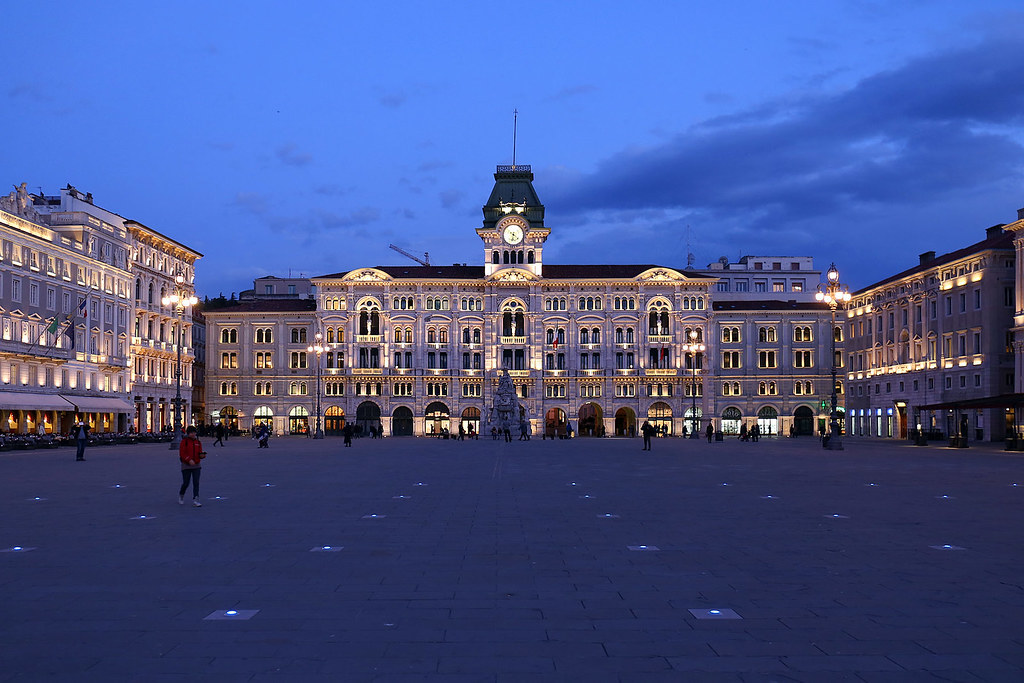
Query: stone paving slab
column 488, row 561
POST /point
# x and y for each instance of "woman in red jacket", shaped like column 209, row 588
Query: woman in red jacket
column 191, row 454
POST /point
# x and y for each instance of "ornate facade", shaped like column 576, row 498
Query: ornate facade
column 84, row 320
column 926, row 340
column 65, row 307
column 418, row 349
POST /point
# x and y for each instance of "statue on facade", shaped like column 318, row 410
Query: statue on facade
column 19, row 203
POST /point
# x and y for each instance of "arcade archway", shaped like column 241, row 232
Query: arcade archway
column 437, row 418
column 803, row 421
column 591, row 420
column 471, row 420
column 334, row 421
column 554, row 422
column 659, row 415
column 401, row 421
column 367, row 415
column 298, row 420
column 625, row 422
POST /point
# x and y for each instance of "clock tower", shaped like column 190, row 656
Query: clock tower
column 513, row 232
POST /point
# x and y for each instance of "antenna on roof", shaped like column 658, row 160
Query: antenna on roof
column 690, row 258
column 515, row 127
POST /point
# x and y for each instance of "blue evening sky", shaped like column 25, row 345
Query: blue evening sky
column 304, row 137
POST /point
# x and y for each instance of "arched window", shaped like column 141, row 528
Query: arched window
column 595, row 336
column 584, row 336
column 150, row 292
column 330, row 335
column 504, row 256
column 494, row 257
column 138, row 288
column 431, row 336
column 529, row 257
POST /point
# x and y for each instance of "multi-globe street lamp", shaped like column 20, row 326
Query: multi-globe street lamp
column 835, row 295
column 180, row 299
column 318, row 348
column 693, row 348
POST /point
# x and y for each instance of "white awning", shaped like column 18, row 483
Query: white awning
column 95, row 404
column 23, row 400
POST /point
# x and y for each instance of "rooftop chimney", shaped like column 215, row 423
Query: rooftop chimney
column 1020, row 214
column 994, row 231
column 927, row 257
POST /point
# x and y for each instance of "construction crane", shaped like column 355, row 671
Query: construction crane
column 425, row 261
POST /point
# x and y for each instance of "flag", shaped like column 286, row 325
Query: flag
column 69, row 332
column 664, row 352
column 556, row 342
column 52, row 328
column 81, row 308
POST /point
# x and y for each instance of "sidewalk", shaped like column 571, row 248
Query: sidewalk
column 582, row 560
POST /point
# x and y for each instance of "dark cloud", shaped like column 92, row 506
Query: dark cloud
column 451, row 198
column 434, row 165
column 329, row 190
column 392, row 100
column 330, row 220
column 290, row 155
column 28, row 91
column 572, row 91
column 931, row 128
column 251, row 202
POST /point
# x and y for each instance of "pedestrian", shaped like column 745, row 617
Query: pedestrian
column 219, row 433
column 743, row 432
column 494, row 433
column 710, row 431
column 81, row 432
column 263, row 436
column 347, row 432
column 462, row 431
column 646, row 430
column 755, row 433
column 191, row 454
column 568, row 430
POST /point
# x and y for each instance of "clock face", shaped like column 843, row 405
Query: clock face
column 513, row 234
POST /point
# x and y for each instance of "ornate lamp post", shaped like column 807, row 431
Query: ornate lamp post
column 835, row 295
column 181, row 299
column 693, row 348
column 318, row 347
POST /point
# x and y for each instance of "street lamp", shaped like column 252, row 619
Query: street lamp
column 181, row 299
column 693, row 348
column 835, row 295
column 318, row 347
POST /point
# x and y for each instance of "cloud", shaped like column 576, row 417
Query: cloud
column 937, row 126
column 450, row 198
column 434, row 165
column 290, row 155
column 571, row 92
column 28, row 91
column 330, row 220
column 329, row 190
column 392, row 100
column 251, row 202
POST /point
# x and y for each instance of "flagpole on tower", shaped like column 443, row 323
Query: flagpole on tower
column 515, row 128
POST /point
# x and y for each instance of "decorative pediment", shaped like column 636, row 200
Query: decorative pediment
column 367, row 275
column 513, row 275
column 660, row 275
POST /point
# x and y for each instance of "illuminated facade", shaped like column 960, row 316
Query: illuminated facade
column 936, row 334
column 418, row 349
column 65, row 307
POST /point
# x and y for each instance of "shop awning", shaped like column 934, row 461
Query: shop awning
column 23, row 400
column 95, row 404
column 1001, row 401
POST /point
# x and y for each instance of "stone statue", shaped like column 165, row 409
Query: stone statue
column 23, row 199
column 506, row 412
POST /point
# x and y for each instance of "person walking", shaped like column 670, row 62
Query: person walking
column 191, row 454
column 710, row 432
column 646, row 430
column 347, row 432
column 81, row 432
column 218, row 431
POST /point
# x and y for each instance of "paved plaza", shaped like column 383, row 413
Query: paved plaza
column 585, row 560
